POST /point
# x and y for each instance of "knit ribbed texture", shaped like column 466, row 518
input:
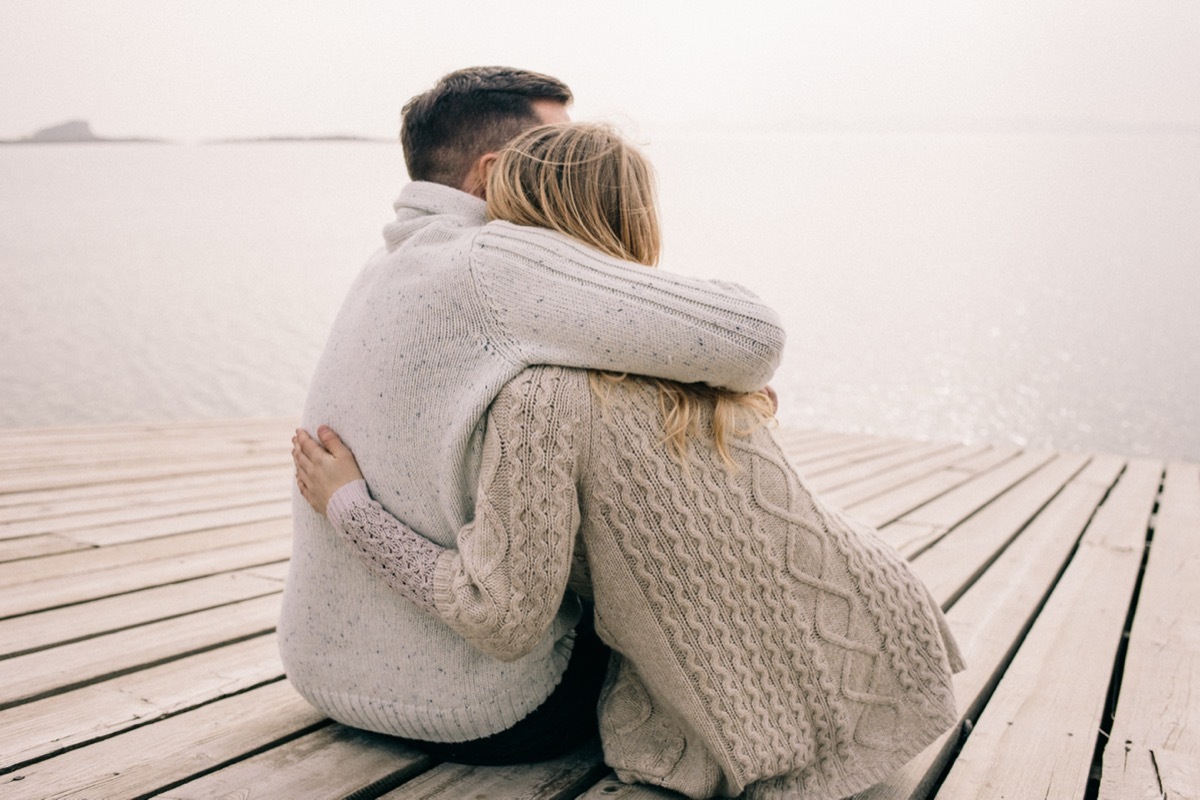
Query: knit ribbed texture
column 439, row 320
column 765, row 643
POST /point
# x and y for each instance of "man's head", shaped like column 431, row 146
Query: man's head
column 471, row 113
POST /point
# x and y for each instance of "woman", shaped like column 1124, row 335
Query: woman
column 761, row 642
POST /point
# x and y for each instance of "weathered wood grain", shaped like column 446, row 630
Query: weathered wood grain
column 334, row 762
column 36, row 674
column 138, row 595
column 44, row 629
column 49, row 726
column 1154, row 749
column 1037, row 735
column 989, row 621
column 59, row 591
column 559, row 779
column 171, row 751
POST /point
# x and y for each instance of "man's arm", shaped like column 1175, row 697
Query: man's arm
column 557, row 301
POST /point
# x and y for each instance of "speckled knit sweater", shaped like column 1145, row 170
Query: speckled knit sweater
column 764, row 643
column 436, row 323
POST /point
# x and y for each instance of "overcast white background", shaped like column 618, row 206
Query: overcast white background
column 195, row 69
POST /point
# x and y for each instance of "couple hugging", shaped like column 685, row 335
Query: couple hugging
column 540, row 496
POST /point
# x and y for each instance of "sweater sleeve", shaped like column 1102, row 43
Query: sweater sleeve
column 503, row 585
column 556, row 301
column 397, row 553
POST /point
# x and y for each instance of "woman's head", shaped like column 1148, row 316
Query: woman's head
column 581, row 179
column 584, row 180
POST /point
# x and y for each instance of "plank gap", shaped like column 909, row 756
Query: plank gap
column 150, row 720
column 296, row 734
column 68, row 687
column 93, row 634
column 1108, row 715
column 975, row 709
column 143, row 588
column 987, row 564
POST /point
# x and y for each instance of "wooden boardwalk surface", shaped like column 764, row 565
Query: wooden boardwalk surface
column 141, row 570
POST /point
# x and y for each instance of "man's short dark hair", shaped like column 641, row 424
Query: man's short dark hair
column 468, row 113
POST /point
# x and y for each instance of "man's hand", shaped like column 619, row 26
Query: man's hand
column 322, row 467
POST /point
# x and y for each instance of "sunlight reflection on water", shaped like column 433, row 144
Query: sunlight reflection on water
column 1035, row 290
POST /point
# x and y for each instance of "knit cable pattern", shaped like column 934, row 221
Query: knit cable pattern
column 767, row 644
column 503, row 587
column 810, row 648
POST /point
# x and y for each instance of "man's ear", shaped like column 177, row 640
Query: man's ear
column 477, row 177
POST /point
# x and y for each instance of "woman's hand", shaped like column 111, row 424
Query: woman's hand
column 322, row 467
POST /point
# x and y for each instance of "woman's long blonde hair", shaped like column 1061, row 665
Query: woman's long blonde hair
column 586, row 181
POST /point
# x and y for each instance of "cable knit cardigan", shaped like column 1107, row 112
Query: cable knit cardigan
column 763, row 642
column 435, row 325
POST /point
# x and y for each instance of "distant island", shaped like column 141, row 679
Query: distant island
column 78, row 131
column 73, row 131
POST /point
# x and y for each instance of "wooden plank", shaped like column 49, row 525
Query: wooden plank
column 85, row 515
column 966, row 499
column 46, row 727
column 200, row 520
column 915, row 452
column 1156, row 730
column 131, row 449
column 1102, row 470
column 868, row 487
column 35, row 631
column 959, row 557
column 136, row 451
column 35, row 546
column 33, row 503
column 882, row 508
column 335, row 761
column 70, row 665
column 69, row 437
column 95, row 559
column 1037, row 734
column 610, row 788
column 868, row 452
column 842, row 446
column 65, row 590
column 119, row 431
column 910, row 538
column 789, row 437
column 169, row 752
column 990, row 620
column 63, row 477
column 558, row 779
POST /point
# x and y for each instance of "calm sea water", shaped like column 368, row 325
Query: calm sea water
column 1037, row 289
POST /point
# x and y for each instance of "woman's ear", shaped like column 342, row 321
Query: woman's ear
column 477, row 177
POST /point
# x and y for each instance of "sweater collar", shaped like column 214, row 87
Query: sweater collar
column 421, row 199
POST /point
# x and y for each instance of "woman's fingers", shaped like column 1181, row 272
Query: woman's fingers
column 304, row 464
column 320, row 472
column 331, row 441
column 309, row 446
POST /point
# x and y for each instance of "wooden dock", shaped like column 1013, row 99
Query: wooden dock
column 141, row 570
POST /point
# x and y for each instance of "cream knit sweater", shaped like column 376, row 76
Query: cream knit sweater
column 765, row 643
column 439, row 320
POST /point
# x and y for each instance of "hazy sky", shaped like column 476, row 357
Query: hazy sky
column 195, row 69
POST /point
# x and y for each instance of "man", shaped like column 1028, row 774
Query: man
column 439, row 320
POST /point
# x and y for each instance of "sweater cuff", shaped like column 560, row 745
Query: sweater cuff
column 345, row 498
